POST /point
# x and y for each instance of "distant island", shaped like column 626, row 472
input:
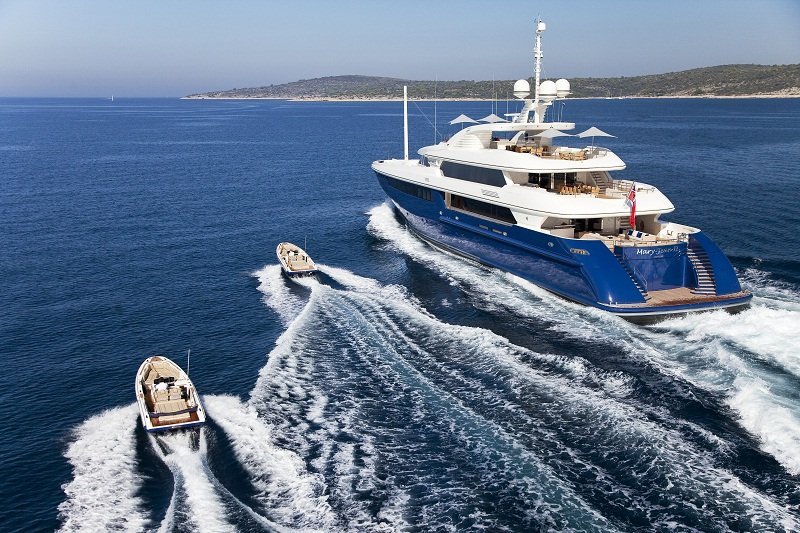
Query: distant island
column 720, row 81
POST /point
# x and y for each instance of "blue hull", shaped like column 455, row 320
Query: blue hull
column 583, row 271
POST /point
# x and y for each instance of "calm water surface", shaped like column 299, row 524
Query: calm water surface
column 405, row 389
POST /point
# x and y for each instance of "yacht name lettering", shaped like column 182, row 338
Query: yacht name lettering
column 658, row 251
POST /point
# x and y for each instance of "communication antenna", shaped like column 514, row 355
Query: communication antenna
column 405, row 122
column 537, row 57
column 493, row 95
column 435, row 116
column 188, row 359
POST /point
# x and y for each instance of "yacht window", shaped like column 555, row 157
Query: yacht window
column 424, row 161
column 553, row 181
column 410, row 188
column 487, row 176
column 485, row 209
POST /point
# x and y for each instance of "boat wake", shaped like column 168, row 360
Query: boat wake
column 195, row 500
column 434, row 420
column 744, row 360
column 103, row 494
column 289, row 495
column 372, row 413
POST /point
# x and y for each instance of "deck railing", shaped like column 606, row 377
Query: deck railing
column 625, row 186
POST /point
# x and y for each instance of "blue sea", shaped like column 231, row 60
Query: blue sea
column 404, row 389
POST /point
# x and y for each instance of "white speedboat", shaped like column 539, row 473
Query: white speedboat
column 503, row 193
column 295, row 262
column 166, row 396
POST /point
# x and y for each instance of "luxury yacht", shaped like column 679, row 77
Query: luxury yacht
column 503, row 193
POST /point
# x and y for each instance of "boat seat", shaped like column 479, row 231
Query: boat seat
column 174, row 393
column 172, row 406
column 172, row 419
column 161, row 395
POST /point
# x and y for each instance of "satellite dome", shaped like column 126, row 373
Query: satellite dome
column 522, row 88
column 547, row 90
column 562, row 88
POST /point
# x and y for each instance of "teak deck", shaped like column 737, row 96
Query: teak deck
column 682, row 296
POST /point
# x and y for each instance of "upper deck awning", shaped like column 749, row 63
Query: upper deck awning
column 463, row 119
column 595, row 132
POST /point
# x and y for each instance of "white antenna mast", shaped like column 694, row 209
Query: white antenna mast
column 188, row 359
column 435, row 116
column 405, row 122
column 537, row 58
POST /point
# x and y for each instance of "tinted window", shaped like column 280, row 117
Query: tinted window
column 410, row 188
column 485, row 209
column 487, row 176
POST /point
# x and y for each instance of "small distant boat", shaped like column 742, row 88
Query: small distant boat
column 166, row 396
column 295, row 262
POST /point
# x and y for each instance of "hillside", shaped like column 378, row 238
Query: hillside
column 724, row 80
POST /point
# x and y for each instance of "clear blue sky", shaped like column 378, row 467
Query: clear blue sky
column 172, row 48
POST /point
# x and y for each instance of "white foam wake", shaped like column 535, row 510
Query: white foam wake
column 277, row 293
column 511, row 290
column 103, row 492
column 290, row 494
column 770, row 334
column 769, row 292
column 691, row 348
column 287, row 394
column 205, row 511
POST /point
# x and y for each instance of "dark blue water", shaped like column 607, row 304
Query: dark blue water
column 405, row 389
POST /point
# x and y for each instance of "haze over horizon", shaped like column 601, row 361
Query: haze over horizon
column 149, row 48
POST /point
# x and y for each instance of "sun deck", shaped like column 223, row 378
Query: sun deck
column 551, row 152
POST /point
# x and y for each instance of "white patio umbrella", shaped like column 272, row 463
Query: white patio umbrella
column 492, row 119
column 594, row 132
column 463, row 119
column 552, row 133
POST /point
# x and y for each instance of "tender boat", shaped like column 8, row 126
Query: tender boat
column 166, row 396
column 295, row 262
column 501, row 192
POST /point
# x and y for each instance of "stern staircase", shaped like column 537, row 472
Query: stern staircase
column 642, row 290
column 702, row 267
